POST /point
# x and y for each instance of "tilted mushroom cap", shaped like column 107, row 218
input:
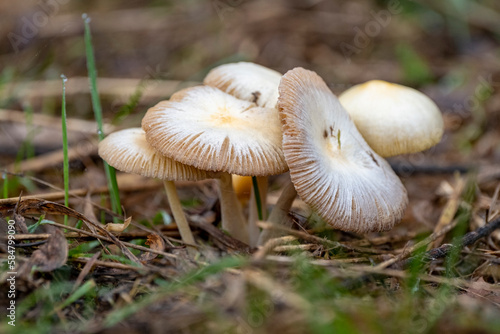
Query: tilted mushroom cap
column 127, row 150
column 211, row 130
column 393, row 119
column 247, row 81
column 331, row 166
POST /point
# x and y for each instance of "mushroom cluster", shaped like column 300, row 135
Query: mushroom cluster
column 248, row 120
column 227, row 126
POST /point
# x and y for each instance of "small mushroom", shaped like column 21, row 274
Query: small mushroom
column 242, row 186
column 331, row 166
column 128, row 151
column 246, row 81
column 214, row 131
column 393, row 119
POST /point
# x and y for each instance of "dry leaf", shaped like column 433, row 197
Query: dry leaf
column 52, row 255
column 118, row 228
column 489, row 270
column 20, row 223
column 155, row 242
column 480, row 288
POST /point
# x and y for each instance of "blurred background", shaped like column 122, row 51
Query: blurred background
column 146, row 50
column 448, row 49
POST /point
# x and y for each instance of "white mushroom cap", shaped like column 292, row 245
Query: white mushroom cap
column 331, row 166
column 214, row 131
column 393, row 119
column 246, row 81
column 127, row 150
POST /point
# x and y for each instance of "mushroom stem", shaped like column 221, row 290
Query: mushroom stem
column 279, row 215
column 253, row 215
column 179, row 216
column 233, row 220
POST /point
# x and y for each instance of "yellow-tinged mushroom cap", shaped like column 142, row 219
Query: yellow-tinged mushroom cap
column 214, row 131
column 247, row 81
column 128, row 151
column 393, row 119
column 332, row 167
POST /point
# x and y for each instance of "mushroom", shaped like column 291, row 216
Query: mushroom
column 242, row 186
column 258, row 84
column 246, row 81
column 245, row 188
column 127, row 150
column 392, row 118
column 206, row 128
column 331, row 166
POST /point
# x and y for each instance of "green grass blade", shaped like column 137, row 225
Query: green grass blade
column 91, row 68
column 32, row 228
column 65, row 146
column 5, row 178
column 80, row 292
column 257, row 197
column 113, row 188
column 96, row 104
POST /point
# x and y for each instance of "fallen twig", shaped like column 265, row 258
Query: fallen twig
column 78, row 235
column 406, row 168
column 98, row 236
column 271, row 244
column 219, row 236
column 86, row 270
column 408, row 250
column 108, row 264
column 292, row 248
column 467, row 240
column 119, row 87
column 42, row 161
column 8, row 203
column 73, row 124
column 317, row 240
